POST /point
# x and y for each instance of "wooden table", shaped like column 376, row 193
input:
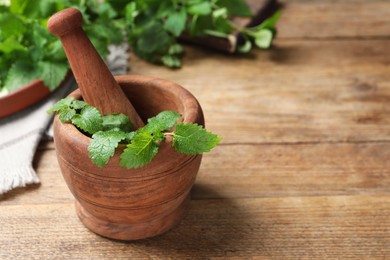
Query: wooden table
column 304, row 167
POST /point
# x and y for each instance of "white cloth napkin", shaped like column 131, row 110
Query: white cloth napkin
column 20, row 133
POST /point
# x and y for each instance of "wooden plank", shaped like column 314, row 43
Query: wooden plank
column 282, row 228
column 234, row 171
column 300, row 91
column 334, row 19
column 242, row 171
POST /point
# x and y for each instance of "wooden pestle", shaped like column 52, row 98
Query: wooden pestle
column 97, row 85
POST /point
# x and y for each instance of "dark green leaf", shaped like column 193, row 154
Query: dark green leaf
column 52, row 73
column 18, row 6
column 163, row 121
column 66, row 114
column 220, row 13
column 193, row 139
column 140, row 151
column 200, row 8
column 20, row 74
column 53, row 51
column 176, row 22
column 175, row 49
column 89, row 120
column 236, row 7
column 246, row 47
column 11, row 25
column 264, row 38
column 131, row 13
column 165, row 9
column 78, row 104
column 49, row 7
column 105, row 10
column 103, row 145
column 130, row 136
column 171, row 61
column 40, row 36
column 11, row 44
column 270, row 22
column 106, row 32
column 154, row 39
column 117, row 122
column 27, row 8
column 201, row 23
column 61, row 104
column 223, row 25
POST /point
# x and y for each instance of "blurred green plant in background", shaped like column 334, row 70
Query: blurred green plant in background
column 151, row 27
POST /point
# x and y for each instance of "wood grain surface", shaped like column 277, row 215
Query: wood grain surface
column 303, row 171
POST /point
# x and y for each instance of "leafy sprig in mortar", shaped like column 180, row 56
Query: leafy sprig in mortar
column 142, row 145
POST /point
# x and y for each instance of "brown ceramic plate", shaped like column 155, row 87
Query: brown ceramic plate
column 24, row 97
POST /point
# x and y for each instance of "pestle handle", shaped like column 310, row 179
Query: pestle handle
column 97, row 85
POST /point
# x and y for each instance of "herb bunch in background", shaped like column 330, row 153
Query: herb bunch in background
column 151, row 27
column 28, row 51
column 142, row 145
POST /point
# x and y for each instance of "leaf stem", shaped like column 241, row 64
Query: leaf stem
column 169, row 134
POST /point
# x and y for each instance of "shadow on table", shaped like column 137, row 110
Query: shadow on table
column 15, row 193
column 212, row 227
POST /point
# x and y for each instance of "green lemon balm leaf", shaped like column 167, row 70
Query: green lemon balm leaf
column 271, row 22
column 10, row 45
column 193, row 139
column 78, row 104
column 246, row 47
column 264, row 38
column 61, row 104
column 89, row 120
column 103, row 145
column 52, row 73
column 11, row 24
column 163, row 121
column 176, row 22
column 140, row 151
column 236, row 7
column 175, row 49
column 200, row 8
column 66, row 114
column 153, row 39
column 130, row 136
column 118, row 122
column 171, row 61
column 20, row 74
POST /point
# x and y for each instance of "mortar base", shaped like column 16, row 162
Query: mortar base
column 132, row 231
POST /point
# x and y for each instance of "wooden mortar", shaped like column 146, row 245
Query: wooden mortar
column 138, row 203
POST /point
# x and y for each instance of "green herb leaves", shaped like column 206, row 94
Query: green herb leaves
column 163, row 121
column 193, row 139
column 103, row 145
column 176, row 22
column 85, row 117
column 89, row 120
column 153, row 27
column 140, row 151
column 142, row 146
column 28, row 51
column 262, row 35
column 187, row 139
